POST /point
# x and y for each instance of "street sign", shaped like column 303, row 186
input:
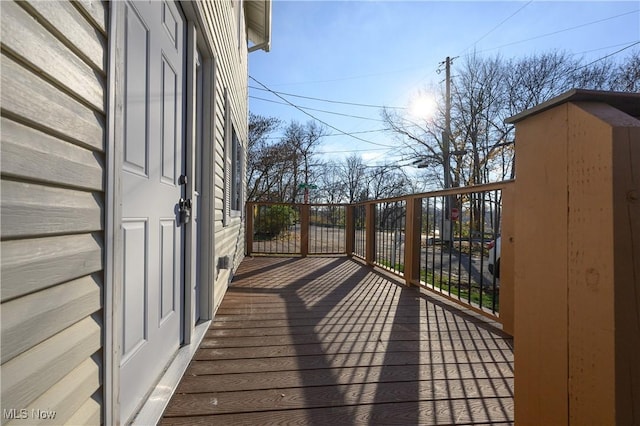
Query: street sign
column 307, row 186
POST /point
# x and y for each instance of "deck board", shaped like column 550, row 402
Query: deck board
column 330, row 340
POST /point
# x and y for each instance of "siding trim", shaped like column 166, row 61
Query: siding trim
column 204, row 44
column 110, row 371
column 207, row 308
column 190, row 239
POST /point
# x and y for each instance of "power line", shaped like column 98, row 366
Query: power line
column 369, row 166
column 543, row 35
column 560, row 31
column 319, row 110
column 497, row 26
column 328, row 100
column 354, row 150
column 355, row 77
column 362, row 131
column 480, row 51
column 602, row 48
column 317, row 119
column 340, row 134
column 607, row 56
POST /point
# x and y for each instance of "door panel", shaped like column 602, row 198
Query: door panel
column 134, row 291
column 169, row 109
column 168, row 261
column 170, row 23
column 135, row 92
column 153, row 159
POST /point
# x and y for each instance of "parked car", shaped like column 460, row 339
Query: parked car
column 494, row 257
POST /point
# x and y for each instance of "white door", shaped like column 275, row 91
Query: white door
column 153, row 145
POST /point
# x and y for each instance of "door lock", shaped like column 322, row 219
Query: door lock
column 184, row 211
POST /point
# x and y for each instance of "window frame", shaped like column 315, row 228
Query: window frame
column 233, row 197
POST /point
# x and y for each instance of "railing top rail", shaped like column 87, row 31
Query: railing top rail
column 442, row 192
column 279, row 203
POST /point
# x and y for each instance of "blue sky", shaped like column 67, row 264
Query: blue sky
column 384, row 52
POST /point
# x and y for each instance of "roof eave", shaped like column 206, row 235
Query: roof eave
column 624, row 101
column 258, row 18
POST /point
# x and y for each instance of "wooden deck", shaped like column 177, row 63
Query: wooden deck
column 324, row 341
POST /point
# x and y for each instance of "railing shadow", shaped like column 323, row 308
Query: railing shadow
column 335, row 395
column 385, row 353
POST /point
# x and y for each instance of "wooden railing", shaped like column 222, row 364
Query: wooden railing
column 297, row 229
column 443, row 241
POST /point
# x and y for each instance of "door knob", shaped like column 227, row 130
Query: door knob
column 184, row 211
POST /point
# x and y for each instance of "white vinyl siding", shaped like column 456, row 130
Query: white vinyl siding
column 231, row 77
column 52, row 196
column 52, row 189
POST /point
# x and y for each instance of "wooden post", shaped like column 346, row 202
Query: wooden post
column 603, row 264
column 249, row 228
column 350, row 229
column 507, row 259
column 304, row 229
column 412, row 241
column 626, row 264
column 541, row 353
column 370, row 231
column 577, row 268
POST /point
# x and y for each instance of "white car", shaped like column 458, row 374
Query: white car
column 494, row 257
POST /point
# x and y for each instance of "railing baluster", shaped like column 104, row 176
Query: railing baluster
column 433, row 246
column 459, row 224
column 370, row 233
column 483, row 206
column 451, row 243
column 472, row 220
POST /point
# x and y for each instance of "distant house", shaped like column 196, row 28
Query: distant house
column 124, row 127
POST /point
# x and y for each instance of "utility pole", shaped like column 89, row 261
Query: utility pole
column 446, row 135
column 446, row 142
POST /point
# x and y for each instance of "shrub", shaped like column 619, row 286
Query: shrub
column 272, row 221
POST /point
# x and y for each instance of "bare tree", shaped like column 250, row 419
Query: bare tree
column 386, row 181
column 353, row 178
column 330, row 183
column 485, row 92
column 277, row 167
column 626, row 76
column 476, row 100
column 263, row 157
column 302, row 142
column 420, row 140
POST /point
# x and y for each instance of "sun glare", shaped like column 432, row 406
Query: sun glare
column 423, row 107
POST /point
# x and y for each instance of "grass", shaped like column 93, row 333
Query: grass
column 443, row 283
column 450, row 287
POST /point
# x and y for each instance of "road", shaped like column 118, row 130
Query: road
column 438, row 260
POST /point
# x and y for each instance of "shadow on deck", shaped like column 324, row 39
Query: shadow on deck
column 330, row 340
